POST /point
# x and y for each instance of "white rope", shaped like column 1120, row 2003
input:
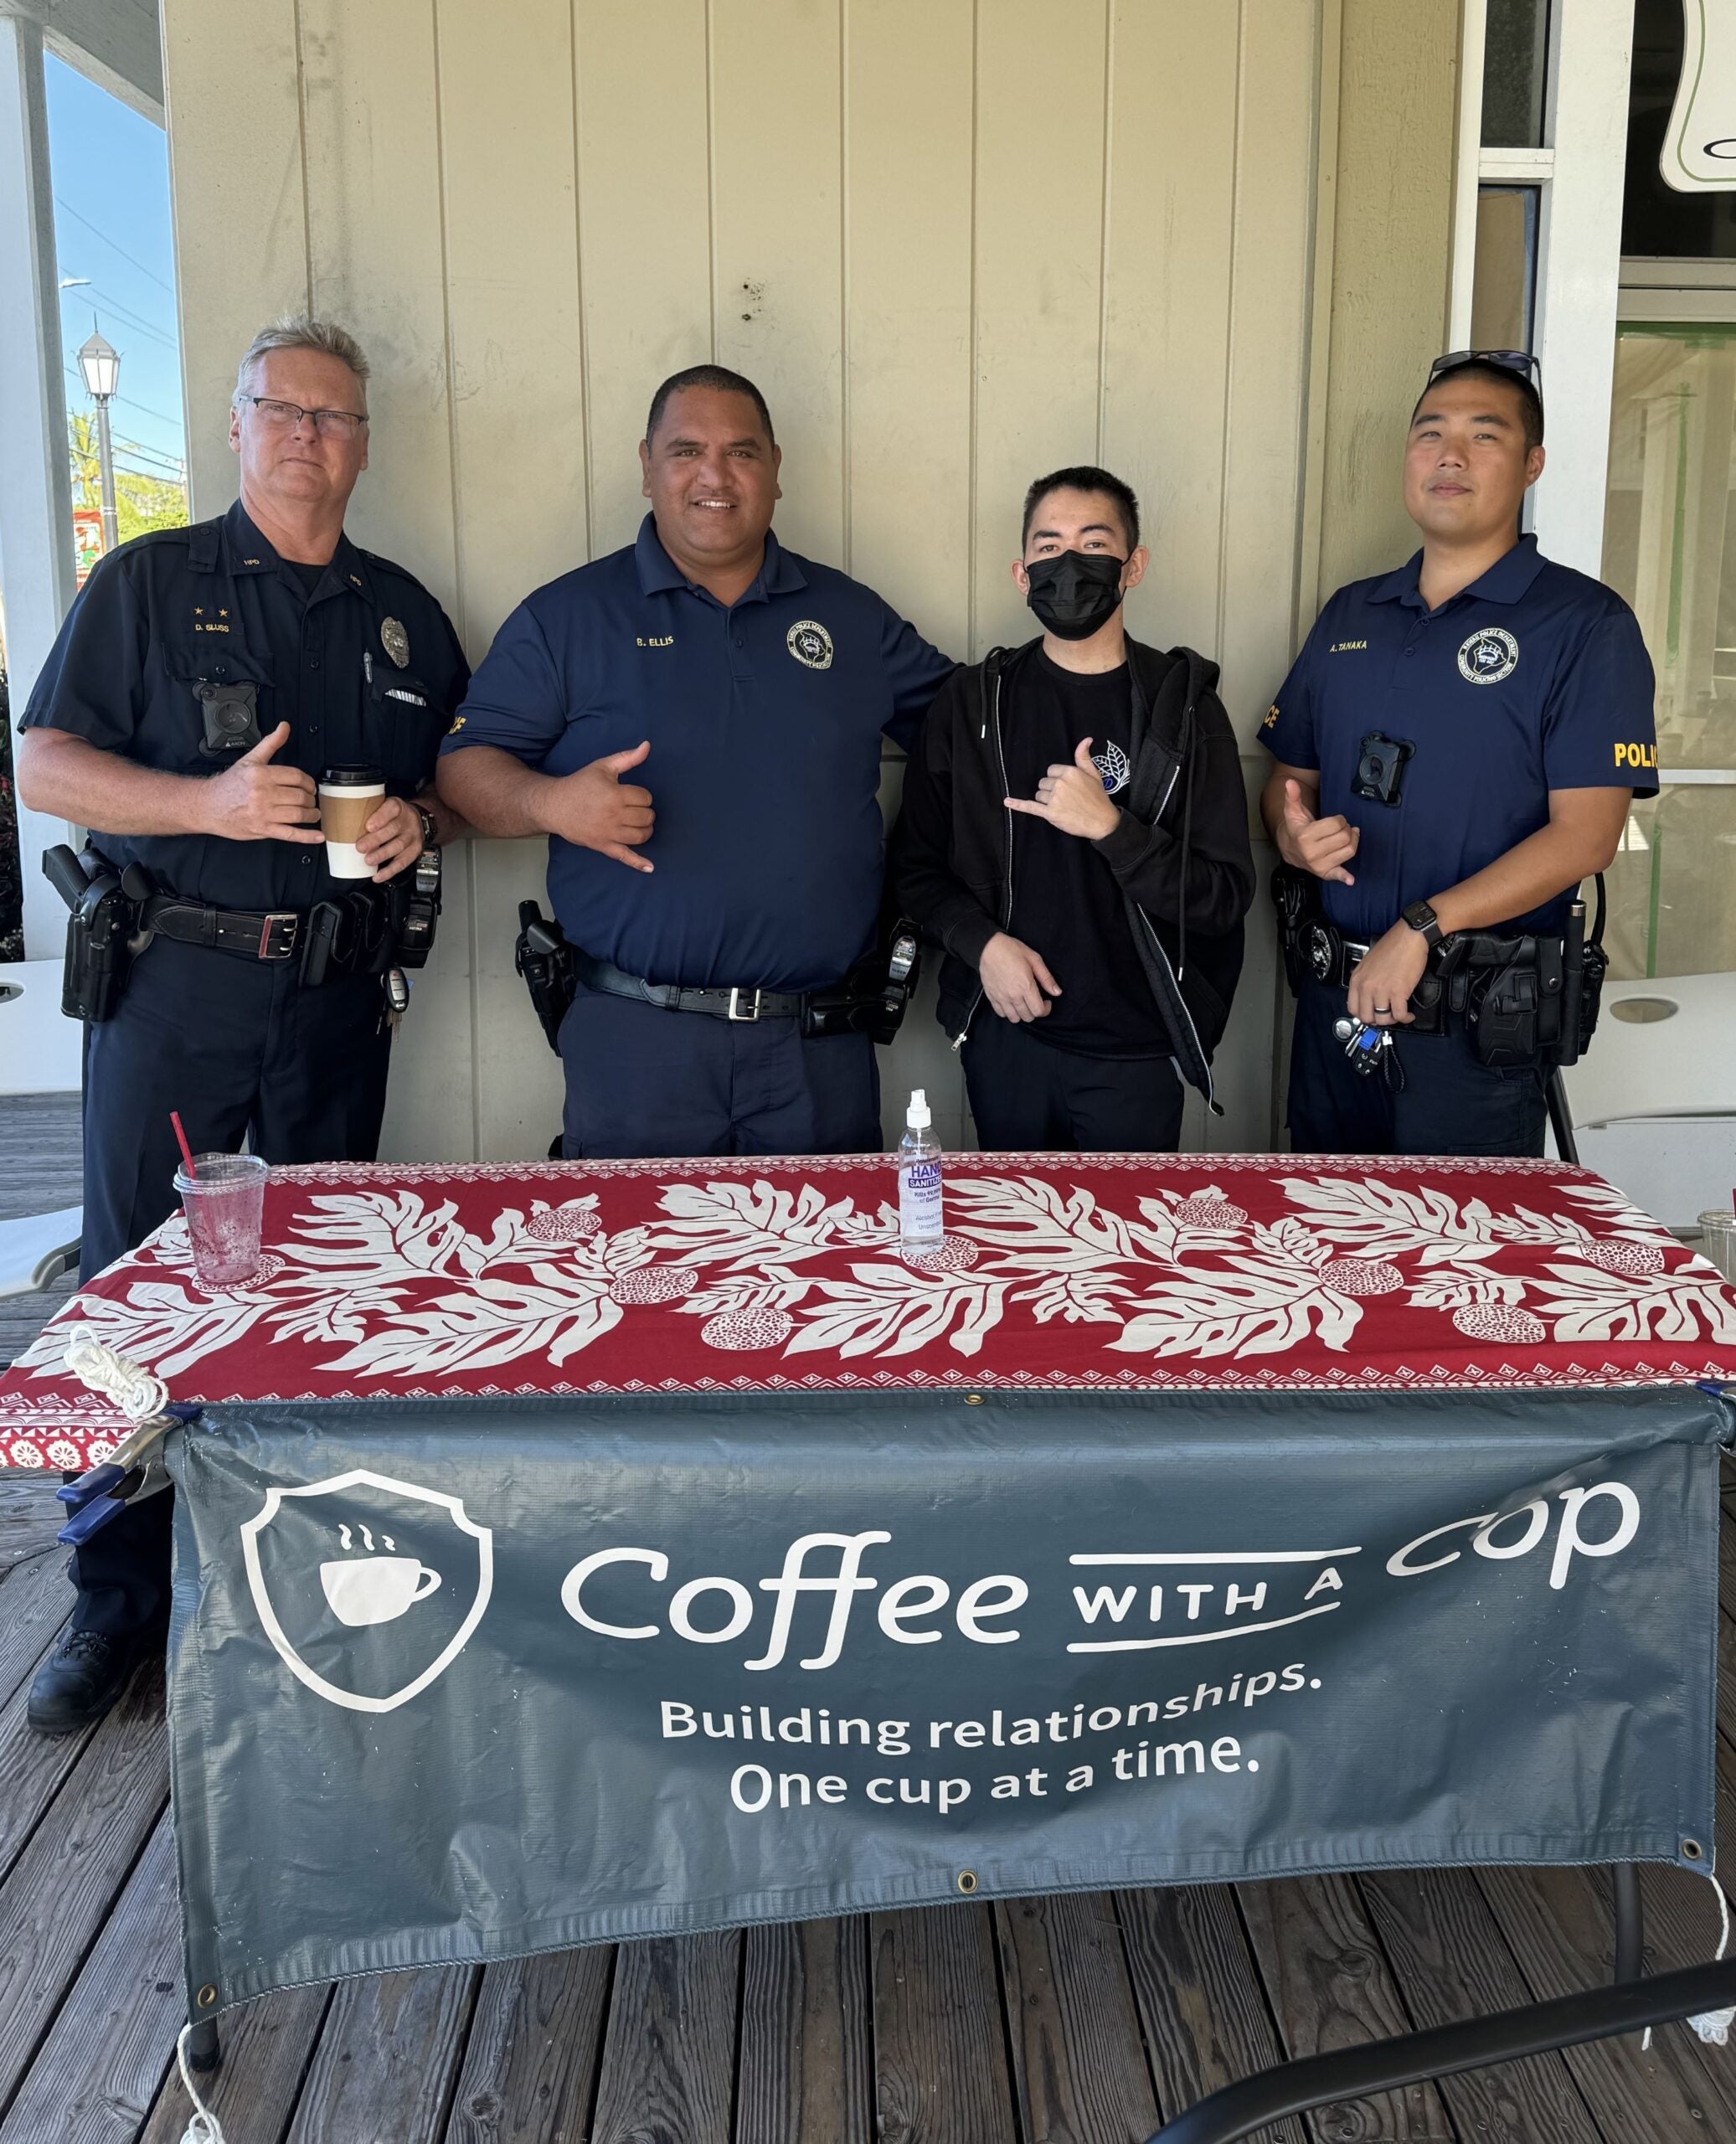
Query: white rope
column 205, row 2127
column 134, row 1391
column 1713, row 2026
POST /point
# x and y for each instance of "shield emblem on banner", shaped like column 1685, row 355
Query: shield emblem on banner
column 368, row 1587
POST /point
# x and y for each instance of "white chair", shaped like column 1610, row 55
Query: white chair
column 1654, row 1099
column 41, row 1053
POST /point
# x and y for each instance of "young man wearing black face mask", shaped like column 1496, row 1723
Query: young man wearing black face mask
column 1074, row 835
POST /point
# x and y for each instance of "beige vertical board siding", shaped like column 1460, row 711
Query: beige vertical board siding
column 907, row 164
column 234, row 133
column 509, row 199
column 1167, row 258
column 954, row 248
column 371, row 129
column 644, row 227
column 430, row 1095
column 907, row 307
column 777, row 242
column 370, row 122
column 1398, row 81
column 1264, row 455
column 1040, row 113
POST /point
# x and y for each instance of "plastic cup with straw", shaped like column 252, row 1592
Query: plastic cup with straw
column 222, row 1197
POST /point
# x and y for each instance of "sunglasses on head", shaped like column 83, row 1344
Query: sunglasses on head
column 1520, row 362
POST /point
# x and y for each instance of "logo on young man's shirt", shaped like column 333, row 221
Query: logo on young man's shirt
column 1113, row 766
column 810, row 643
column 1488, row 655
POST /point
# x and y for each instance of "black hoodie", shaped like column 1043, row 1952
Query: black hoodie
column 1180, row 851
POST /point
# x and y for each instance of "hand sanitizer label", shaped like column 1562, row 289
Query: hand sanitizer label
column 919, row 1201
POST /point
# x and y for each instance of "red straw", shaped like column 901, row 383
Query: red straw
column 186, row 1151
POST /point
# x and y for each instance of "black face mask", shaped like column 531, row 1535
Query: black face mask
column 1075, row 594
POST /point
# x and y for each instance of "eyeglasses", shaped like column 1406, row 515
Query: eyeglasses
column 1520, row 362
column 284, row 416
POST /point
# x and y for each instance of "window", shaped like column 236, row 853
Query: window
column 1516, row 53
column 1669, row 548
column 1655, row 220
column 1504, row 285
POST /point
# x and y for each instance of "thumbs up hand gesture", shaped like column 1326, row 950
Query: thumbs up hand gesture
column 1072, row 797
column 1321, row 846
column 596, row 809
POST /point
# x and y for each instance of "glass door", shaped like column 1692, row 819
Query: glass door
column 1669, row 548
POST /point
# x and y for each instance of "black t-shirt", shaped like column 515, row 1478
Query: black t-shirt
column 1066, row 904
column 309, row 576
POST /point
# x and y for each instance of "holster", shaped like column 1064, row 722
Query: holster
column 99, row 931
column 872, row 999
column 350, row 933
column 543, row 957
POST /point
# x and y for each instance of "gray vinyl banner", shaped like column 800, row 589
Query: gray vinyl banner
column 469, row 1679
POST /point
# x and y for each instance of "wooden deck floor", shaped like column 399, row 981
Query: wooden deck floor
column 1080, row 2020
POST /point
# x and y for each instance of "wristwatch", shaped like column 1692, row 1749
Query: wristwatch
column 1422, row 919
column 430, row 832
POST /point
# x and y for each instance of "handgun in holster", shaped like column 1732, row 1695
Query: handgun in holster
column 872, row 998
column 101, row 939
column 544, row 958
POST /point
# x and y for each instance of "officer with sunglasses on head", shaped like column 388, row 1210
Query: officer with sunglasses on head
column 1455, row 749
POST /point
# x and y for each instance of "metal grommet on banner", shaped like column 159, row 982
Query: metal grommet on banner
column 973, row 1399
column 967, row 1880
column 206, row 1996
column 1692, row 1850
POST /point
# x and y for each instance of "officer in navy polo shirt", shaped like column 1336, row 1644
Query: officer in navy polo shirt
column 1455, row 748
column 695, row 723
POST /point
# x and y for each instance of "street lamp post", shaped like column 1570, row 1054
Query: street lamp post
column 99, row 366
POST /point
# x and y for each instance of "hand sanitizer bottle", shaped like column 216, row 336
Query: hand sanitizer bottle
column 920, row 1226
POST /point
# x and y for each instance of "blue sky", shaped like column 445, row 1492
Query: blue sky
column 111, row 225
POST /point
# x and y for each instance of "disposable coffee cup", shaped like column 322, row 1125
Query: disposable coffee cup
column 349, row 798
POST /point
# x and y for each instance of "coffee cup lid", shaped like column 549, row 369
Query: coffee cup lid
column 351, row 777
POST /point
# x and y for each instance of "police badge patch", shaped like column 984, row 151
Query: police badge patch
column 1488, row 655
column 810, row 643
column 395, row 641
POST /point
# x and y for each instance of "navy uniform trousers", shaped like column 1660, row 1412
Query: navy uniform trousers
column 644, row 1081
column 1449, row 1104
column 241, row 1050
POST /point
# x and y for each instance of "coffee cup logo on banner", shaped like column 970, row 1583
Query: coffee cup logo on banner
column 367, row 1587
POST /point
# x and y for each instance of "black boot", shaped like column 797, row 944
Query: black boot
column 81, row 1680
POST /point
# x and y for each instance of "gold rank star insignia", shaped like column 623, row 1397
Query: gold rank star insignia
column 395, row 641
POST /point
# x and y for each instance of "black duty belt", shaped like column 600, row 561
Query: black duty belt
column 738, row 1005
column 253, row 934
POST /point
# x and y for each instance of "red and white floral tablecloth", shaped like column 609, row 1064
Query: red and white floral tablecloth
column 1280, row 1272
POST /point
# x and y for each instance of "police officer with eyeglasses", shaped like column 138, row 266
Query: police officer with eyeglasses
column 1455, row 751
column 204, row 682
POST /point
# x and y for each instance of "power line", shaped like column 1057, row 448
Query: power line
column 96, row 232
column 145, row 454
column 132, row 320
column 162, row 416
